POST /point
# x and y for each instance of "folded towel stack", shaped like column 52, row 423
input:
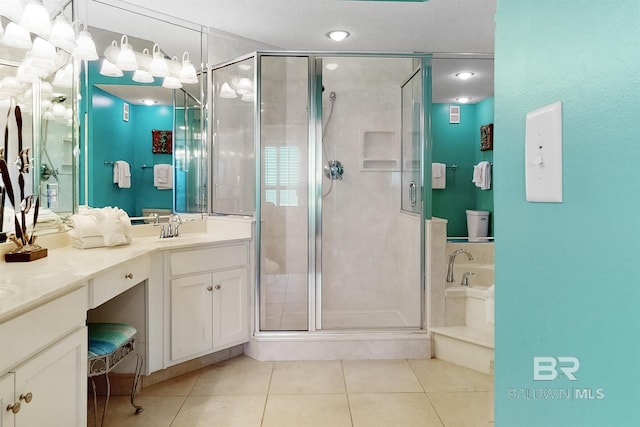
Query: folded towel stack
column 482, row 175
column 438, row 176
column 163, row 176
column 122, row 174
column 98, row 227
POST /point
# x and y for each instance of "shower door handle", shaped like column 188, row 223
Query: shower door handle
column 412, row 194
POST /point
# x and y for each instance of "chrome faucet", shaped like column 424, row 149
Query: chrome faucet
column 452, row 259
column 173, row 227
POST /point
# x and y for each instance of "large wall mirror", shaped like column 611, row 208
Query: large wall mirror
column 139, row 122
column 457, row 141
column 37, row 77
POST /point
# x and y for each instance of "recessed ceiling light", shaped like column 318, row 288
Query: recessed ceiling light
column 338, row 35
column 331, row 66
column 149, row 102
column 463, row 99
column 465, row 75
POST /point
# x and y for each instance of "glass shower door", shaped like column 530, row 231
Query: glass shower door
column 411, row 144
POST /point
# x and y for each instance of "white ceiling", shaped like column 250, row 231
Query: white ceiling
column 435, row 26
column 432, row 26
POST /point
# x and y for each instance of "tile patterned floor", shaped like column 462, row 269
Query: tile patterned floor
column 246, row 393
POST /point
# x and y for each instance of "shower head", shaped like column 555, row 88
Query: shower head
column 58, row 99
column 332, row 95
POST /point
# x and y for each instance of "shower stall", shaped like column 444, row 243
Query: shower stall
column 326, row 150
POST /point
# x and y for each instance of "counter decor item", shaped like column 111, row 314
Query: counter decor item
column 26, row 249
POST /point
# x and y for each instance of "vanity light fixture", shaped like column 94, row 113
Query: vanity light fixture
column 188, row 71
column 158, row 67
column 244, row 86
column 11, row 9
column 85, row 47
column 62, row 34
column 226, row 92
column 110, row 70
column 35, row 19
column 338, row 35
column 126, row 58
column 142, row 76
column 464, row 75
column 16, row 36
column 463, row 99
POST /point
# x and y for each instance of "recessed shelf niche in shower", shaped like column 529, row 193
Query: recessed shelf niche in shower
column 379, row 151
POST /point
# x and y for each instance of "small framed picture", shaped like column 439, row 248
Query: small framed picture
column 486, row 137
column 125, row 112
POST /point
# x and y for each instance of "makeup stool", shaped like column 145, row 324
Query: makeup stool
column 109, row 344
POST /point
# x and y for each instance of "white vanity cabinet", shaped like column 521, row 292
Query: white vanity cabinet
column 208, row 300
column 43, row 366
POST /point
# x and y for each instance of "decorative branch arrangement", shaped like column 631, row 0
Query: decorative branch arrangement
column 26, row 248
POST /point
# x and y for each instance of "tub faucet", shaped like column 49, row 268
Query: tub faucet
column 452, row 259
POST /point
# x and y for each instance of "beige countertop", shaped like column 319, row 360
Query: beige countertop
column 24, row 286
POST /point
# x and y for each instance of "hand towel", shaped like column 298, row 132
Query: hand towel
column 163, row 176
column 122, row 174
column 490, row 304
column 482, row 175
column 84, row 226
column 438, row 176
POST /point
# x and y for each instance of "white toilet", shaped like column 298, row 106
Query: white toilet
column 477, row 225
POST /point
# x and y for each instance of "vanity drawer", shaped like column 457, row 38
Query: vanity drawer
column 208, row 259
column 35, row 330
column 117, row 280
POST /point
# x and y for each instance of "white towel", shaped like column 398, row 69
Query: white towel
column 108, row 226
column 163, row 176
column 490, row 304
column 122, row 174
column 438, row 176
column 482, row 175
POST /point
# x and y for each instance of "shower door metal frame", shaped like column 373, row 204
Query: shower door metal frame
column 314, row 205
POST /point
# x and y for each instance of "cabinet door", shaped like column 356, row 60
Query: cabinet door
column 6, row 400
column 52, row 386
column 230, row 324
column 191, row 317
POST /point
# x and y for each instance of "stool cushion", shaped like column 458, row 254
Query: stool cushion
column 104, row 338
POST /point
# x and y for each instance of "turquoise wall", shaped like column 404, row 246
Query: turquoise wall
column 113, row 139
column 459, row 144
column 566, row 273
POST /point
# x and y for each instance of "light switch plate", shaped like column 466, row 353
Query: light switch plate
column 543, row 154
